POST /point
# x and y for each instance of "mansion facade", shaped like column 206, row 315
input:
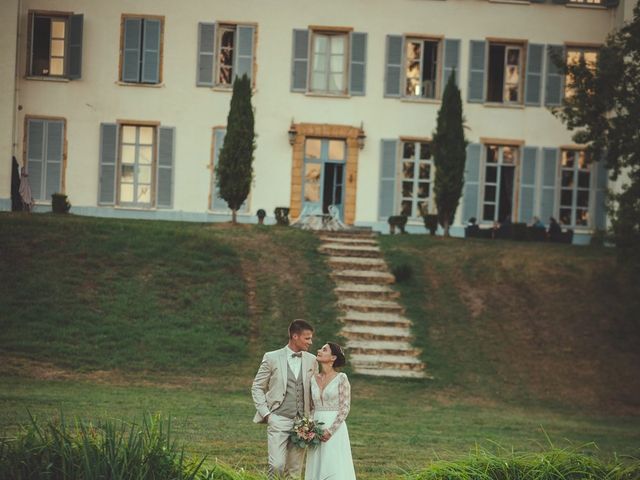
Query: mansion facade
column 122, row 105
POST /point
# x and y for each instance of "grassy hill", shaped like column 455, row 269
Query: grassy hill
column 104, row 318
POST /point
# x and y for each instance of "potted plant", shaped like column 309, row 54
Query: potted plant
column 59, row 203
column 261, row 214
column 431, row 223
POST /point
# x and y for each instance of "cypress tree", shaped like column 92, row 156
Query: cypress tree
column 449, row 151
column 234, row 171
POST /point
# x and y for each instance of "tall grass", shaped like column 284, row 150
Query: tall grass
column 554, row 464
column 59, row 450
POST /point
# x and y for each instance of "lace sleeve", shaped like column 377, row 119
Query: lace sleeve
column 344, row 403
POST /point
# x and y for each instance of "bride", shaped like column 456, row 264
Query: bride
column 331, row 400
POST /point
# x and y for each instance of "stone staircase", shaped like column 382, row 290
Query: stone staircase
column 378, row 335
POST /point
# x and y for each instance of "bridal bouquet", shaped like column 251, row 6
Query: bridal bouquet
column 306, row 432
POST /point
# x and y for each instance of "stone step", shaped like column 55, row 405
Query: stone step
column 368, row 332
column 368, row 305
column 352, row 233
column 349, row 240
column 337, row 249
column 374, row 319
column 364, row 277
column 358, row 263
column 390, row 372
column 396, row 362
column 356, row 290
column 369, row 347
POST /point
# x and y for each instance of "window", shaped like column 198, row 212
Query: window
column 505, row 73
column 575, row 55
column 44, row 155
column 575, row 181
column 415, row 179
column 329, row 62
column 421, row 67
column 55, row 45
column 225, row 51
column 141, row 50
column 499, row 182
column 137, row 146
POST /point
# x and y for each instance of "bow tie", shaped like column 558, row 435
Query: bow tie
column 296, row 354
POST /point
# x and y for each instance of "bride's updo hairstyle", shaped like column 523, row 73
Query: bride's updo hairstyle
column 336, row 350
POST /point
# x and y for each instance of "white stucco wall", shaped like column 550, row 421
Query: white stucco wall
column 8, row 38
column 98, row 97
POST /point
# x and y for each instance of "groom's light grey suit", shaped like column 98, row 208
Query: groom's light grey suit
column 276, row 392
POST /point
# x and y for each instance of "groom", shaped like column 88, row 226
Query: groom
column 281, row 391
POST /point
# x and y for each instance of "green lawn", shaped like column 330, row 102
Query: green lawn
column 104, row 318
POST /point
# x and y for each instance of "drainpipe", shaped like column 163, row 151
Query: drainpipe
column 14, row 129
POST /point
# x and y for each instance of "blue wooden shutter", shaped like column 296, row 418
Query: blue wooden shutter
column 300, row 61
column 451, row 62
column 243, row 58
column 471, row 182
column 533, row 81
column 601, row 183
column 476, row 71
column 151, row 51
column 35, row 157
column 528, row 184
column 393, row 66
column 358, row 64
column 108, row 161
column 131, row 54
column 388, row 170
column 74, row 48
column 54, row 150
column 548, row 190
column 206, row 54
column 217, row 202
column 555, row 78
column 166, row 155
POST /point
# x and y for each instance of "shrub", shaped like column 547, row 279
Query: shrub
column 519, row 231
column 397, row 221
column 261, row 214
column 122, row 450
column 59, row 203
column 402, row 272
column 431, row 223
column 282, row 216
column 554, row 464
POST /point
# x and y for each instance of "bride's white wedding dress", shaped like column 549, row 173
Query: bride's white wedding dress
column 331, row 460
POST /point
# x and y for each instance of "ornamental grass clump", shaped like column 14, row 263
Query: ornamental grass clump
column 60, row 450
column 553, row 464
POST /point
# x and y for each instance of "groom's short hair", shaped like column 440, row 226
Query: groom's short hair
column 298, row 326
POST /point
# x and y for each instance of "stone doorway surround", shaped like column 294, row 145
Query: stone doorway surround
column 314, row 130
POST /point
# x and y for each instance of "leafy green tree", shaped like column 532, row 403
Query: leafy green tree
column 234, row 171
column 604, row 109
column 449, row 154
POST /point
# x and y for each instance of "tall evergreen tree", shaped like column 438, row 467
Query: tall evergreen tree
column 604, row 111
column 234, row 171
column 449, row 151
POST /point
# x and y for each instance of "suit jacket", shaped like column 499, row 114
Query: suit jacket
column 270, row 384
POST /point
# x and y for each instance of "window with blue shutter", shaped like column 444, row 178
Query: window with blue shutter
column 533, row 79
column 166, row 155
column 141, row 50
column 45, row 152
column 476, row 71
column 329, row 62
column 108, row 163
column 388, row 171
column 528, row 170
column 55, row 47
column 471, row 194
column 548, row 184
column 358, row 63
column 218, row 203
column 451, row 61
column 393, row 66
column 225, row 51
column 554, row 82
